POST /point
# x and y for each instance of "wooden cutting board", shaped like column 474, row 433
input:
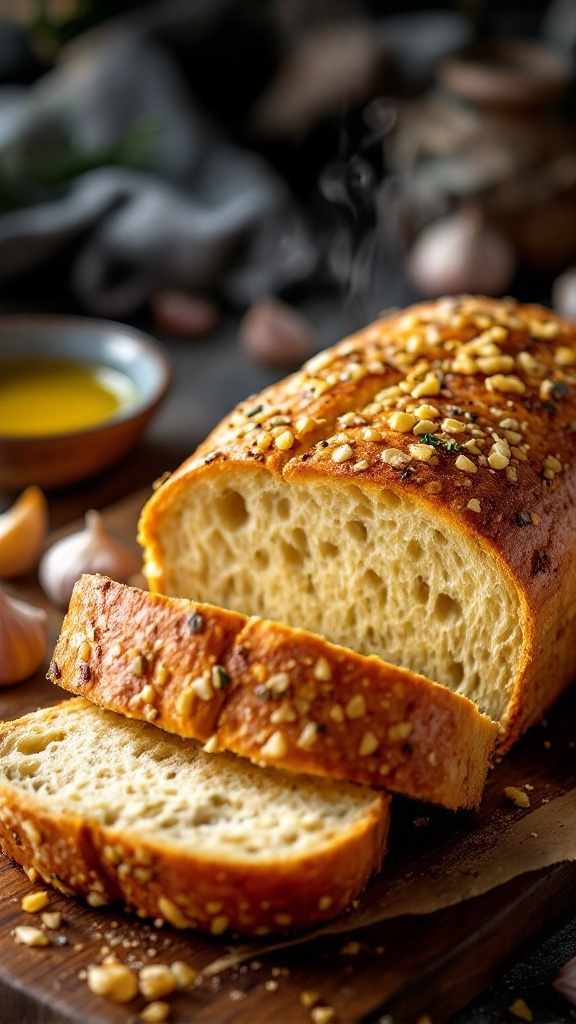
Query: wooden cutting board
column 405, row 967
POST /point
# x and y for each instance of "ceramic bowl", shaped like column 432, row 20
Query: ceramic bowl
column 55, row 460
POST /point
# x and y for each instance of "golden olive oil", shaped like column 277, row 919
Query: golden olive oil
column 59, row 396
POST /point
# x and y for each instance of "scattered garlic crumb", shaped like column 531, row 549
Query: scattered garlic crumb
column 155, row 1013
column 351, row 949
column 113, row 980
column 184, row 975
column 322, row 1014
column 309, row 999
column 26, row 935
column 517, row 796
column 521, row 1010
column 35, row 901
column 52, row 919
column 156, row 981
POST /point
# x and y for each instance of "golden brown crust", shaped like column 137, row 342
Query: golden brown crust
column 499, row 461
column 289, row 698
column 127, row 642
column 81, row 856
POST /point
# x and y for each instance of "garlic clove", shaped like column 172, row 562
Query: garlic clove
column 23, row 639
column 564, row 294
column 23, row 530
column 458, row 253
column 274, row 333
column 91, row 550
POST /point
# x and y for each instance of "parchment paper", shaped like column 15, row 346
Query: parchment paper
column 468, row 867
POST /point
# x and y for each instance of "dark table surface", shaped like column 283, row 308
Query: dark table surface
column 210, row 376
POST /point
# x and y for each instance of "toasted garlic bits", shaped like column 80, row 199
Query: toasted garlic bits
column 26, row 935
column 113, row 980
column 34, row 902
column 156, row 981
column 517, row 796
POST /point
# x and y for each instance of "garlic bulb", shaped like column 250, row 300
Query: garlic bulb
column 565, row 981
column 23, row 639
column 460, row 254
column 276, row 334
column 90, row 550
column 23, row 531
column 564, row 294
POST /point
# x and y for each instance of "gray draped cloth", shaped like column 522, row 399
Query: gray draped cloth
column 110, row 155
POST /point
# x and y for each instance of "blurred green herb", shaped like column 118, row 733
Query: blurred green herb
column 64, row 161
column 438, row 442
column 54, row 22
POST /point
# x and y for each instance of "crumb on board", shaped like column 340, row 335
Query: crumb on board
column 27, row 935
column 33, row 902
column 521, row 1010
column 323, row 1014
column 155, row 1013
column 52, row 919
column 309, row 998
column 352, row 948
column 517, row 796
column 112, row 980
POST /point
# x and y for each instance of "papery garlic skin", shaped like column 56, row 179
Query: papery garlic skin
column 458, row 254
column 91, row 550
column 23, row 530
column 565, row 981
column 23, row 639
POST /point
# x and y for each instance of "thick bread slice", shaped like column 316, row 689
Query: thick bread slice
column 114, row 809
column 410, row 493
column 277, row 695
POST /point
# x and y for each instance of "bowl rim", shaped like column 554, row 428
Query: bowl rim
column 154, row 350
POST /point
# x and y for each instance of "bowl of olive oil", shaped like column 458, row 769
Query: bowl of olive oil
column 76, row 395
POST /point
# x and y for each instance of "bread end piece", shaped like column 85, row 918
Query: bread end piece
column 114, row 810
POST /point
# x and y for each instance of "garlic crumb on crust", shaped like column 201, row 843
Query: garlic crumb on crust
column 445, row 398
column 486, row 398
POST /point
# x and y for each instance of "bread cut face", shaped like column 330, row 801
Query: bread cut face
column 111, row 808
column 365, row 567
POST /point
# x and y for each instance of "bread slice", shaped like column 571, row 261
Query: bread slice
column 114, row 809
column 277, row 695
column 410, row 493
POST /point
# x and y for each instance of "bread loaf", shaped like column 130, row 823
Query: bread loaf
column 409, row 493
column 277, row 695
column 113, row 809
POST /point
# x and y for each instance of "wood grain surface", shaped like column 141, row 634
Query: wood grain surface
column 399, row 970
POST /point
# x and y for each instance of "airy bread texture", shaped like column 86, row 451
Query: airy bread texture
column 410, row 493
column 114, row 809
column 277, row 695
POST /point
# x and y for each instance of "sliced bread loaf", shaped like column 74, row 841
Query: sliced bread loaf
column 277, row 695
column 410, row 493
column 115, row 809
